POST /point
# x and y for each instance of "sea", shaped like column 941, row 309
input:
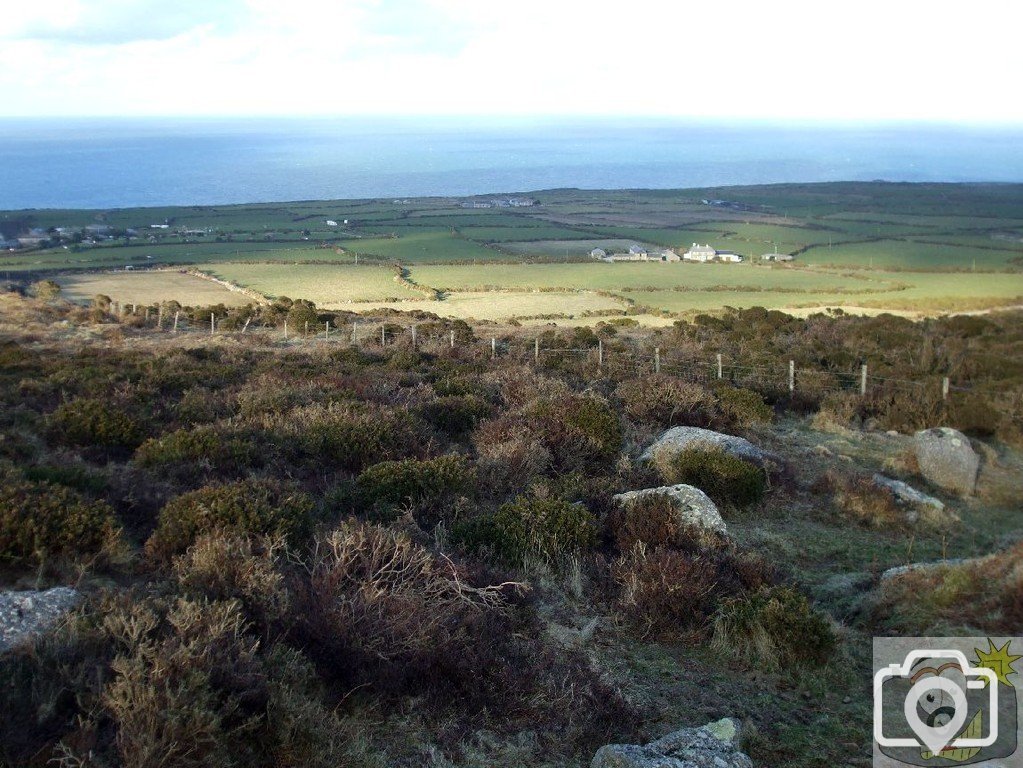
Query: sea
column 128, row 162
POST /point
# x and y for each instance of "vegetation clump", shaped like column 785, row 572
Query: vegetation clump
column 40, row 521
column 389, row 484
column 250, row 507
column 725, row 478
column 91, row 422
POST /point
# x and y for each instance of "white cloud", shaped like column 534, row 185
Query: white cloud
column 792, row 59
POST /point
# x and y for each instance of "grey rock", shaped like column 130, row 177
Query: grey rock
column 26, row 614
column 907, row 494
column 947, row 459
column 899, row 570
column 692, row 506
column 715, row 745
column 678, row 439
column 570, row 637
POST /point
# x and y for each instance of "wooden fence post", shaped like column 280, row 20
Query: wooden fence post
column 147, row 315
column 792, row 376
column 355, row 332
column 246, row 326
column 213, row 325
column 600, row 355
column 719, row 365
column 657, row 359
column 452, row 339
column 413, row 337
column 326, row 331
column 285, row 329
column 863, row 380
column 493, row 347
column 944, row 388
column 176, row 315
column 159, row 317
column 383, row 335
column 307, row 329
column 536, row 351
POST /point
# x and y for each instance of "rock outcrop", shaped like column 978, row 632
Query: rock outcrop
column 947, row 459
column 715, row 745
column 692, row 507
column 918, row 506
column 678, row 439
column 25, row 614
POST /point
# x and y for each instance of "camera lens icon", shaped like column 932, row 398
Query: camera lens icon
column 936, row 705
column 944, row 702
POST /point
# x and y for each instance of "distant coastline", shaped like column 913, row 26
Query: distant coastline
column 104, row 163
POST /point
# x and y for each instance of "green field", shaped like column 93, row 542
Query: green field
column 320, row 283
column 146, row 288
column 917, row 246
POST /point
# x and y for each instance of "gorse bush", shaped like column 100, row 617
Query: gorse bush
column 248, row 507
column 773, row 629
column 206, row 446
column 530, row 528
column 725, row 478
column 455, row 415
column 90, row 422
column 741, row 408
column 40, row 521
column 411, row 481
column 581, row 432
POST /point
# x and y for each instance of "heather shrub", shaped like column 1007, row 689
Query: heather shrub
column 410, row 481
column 974, row 415
column 347, row 436
column 773, row 629
column 246, row 507
column 454, row 415
column 225, row 566
column 666, row 592
column 202, row 405
column 666, row 401
column 530, row 528
column 40, row 521
column 725, row 478
column 75, row 476
column 580, row 432
column 94, row 423
column 510, row 455
column 653, row 521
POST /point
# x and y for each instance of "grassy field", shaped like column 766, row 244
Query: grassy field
column 321, row 283
column 914, row 245
column 483, row 305
column 150, row 288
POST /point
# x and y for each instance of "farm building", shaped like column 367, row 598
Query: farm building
column 777, row 257
column 331, row 223
column 704, row 253
column 669, row 255
column 598, row 253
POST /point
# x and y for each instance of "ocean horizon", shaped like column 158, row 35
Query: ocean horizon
column 131, row 162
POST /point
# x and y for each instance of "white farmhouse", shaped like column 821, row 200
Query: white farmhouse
column 701, row 253
column 331, row 223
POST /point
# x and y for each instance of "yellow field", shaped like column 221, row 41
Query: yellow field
column 499, row 305
column 149, row 288
column 323, row 284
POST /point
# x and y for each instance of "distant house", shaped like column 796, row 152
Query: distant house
column 637, row 250
column 159, row 226
column 331, row 223
column 701, row 253
column 669, row 255
column 30, row 241
column 98, row 229
column 522, row 202
column 704, row 253
column 598, row 253
column 778, row 257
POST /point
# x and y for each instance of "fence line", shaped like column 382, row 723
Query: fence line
column 604, row 359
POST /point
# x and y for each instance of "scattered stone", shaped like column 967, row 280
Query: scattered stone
column 899, row 570
column 678, row 439
column 893, row 433
column 907, row 494
column 715, row 745
column 947, row 459
column 28, row 613
column 692, row 507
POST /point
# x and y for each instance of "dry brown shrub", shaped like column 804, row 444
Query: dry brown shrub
column 373, row 592
column 653, row 521
column 666, row 400
column 220, row 566
column 665, row 592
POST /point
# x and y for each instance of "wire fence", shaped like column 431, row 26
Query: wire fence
column 615, row 360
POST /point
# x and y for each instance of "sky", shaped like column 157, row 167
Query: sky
column 786, row 60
